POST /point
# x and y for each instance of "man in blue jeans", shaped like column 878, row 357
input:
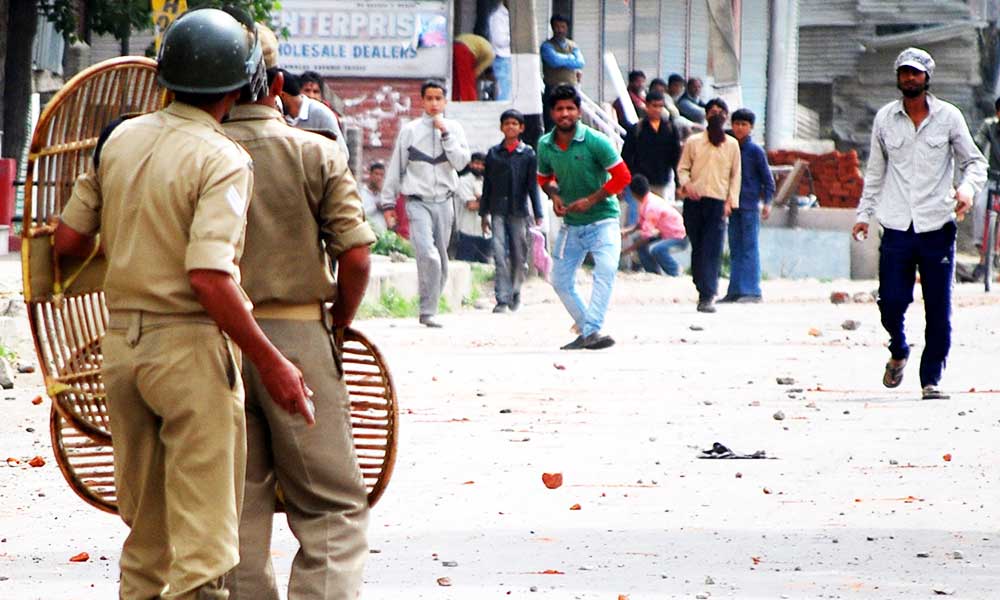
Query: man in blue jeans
column 756, row 191
column 917, row 141
column 581, row 172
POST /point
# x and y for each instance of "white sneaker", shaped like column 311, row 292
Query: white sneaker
column 932, row 392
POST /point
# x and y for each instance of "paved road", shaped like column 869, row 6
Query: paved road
column 859, row 486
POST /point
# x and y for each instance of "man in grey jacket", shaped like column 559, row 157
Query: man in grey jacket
column 424, row 167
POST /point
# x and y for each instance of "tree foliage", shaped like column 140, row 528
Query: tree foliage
column 120, row 17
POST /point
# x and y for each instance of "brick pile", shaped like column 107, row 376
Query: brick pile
column 837, row 180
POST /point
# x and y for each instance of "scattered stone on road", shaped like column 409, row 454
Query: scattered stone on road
column 850, row 325
column 6, row 375
column 779, row 416
column 785, row 381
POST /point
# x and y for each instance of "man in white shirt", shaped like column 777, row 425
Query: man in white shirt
column 499, row 36
column 302, row 112
column 371, row 198
column 916, row 143
column 472, row 245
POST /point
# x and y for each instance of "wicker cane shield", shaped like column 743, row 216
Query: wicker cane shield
column 66, row 305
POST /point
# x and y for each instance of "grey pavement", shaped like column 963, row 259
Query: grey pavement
column 858, row 493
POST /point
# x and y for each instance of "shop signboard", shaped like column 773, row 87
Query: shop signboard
column 366, row 38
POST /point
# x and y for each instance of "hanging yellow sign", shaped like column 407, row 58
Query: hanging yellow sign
column 164, row 13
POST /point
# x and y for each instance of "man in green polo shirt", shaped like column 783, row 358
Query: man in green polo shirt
column 581, row 172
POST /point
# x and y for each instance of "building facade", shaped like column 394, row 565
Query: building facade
column 847, row 49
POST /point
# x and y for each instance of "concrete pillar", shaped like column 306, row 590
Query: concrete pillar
column 354, row 137
column 75, row 59
column 782, row 73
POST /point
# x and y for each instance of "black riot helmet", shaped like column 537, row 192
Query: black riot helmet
column 210, row 51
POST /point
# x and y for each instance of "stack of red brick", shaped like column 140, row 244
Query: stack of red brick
column 836, row 177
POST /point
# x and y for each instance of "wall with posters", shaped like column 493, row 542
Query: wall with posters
column 373, row 55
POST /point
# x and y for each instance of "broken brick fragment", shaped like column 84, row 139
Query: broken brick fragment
column 552, row 480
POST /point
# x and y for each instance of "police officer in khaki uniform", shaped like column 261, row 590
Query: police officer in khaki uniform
column 169, row 197
column 306, row 209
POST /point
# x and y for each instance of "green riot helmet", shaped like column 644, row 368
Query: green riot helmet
column 209, row 51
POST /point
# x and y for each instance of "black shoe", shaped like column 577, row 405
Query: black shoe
column 578, row 344
column 979, row 273
column 515, row 301
column 499, row 308
column 749, row 300
column 730, row 299
column 706, row 306
column 428, row 321
column 596, row 341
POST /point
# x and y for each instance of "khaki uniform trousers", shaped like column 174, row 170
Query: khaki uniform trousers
column 175, row 401
column 324, row 494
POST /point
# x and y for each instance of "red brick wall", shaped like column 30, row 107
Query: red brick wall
column 837, row 180
column 377, row 106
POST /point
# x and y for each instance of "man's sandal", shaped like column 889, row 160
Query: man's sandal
column 893, row 373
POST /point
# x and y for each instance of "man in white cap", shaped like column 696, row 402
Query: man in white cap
column 916, row 143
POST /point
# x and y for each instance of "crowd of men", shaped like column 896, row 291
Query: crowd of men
column 679, row 146
column 234, row 259
column 680, row 151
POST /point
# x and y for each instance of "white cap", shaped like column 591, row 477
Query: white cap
column 917, row 59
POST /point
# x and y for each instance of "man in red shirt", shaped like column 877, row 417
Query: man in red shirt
column 660, row 227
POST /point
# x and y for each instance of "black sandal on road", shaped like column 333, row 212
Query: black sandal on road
column 893, row 373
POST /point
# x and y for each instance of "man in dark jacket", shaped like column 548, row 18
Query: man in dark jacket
column 510, row 182
column 652, row 148
column 756, row 191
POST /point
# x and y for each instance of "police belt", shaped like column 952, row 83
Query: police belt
column 289, row 312
column 123, row 319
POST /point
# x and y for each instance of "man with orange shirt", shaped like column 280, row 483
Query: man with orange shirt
column 660, row 227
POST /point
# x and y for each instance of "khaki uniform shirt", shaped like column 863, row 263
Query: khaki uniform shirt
column 306, row 207
column 714, row 171
column 170, row 196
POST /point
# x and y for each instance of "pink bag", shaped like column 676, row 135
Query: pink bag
column 540, row 258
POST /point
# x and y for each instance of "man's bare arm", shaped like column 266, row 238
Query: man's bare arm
column 223, row 301
column 353, row 267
